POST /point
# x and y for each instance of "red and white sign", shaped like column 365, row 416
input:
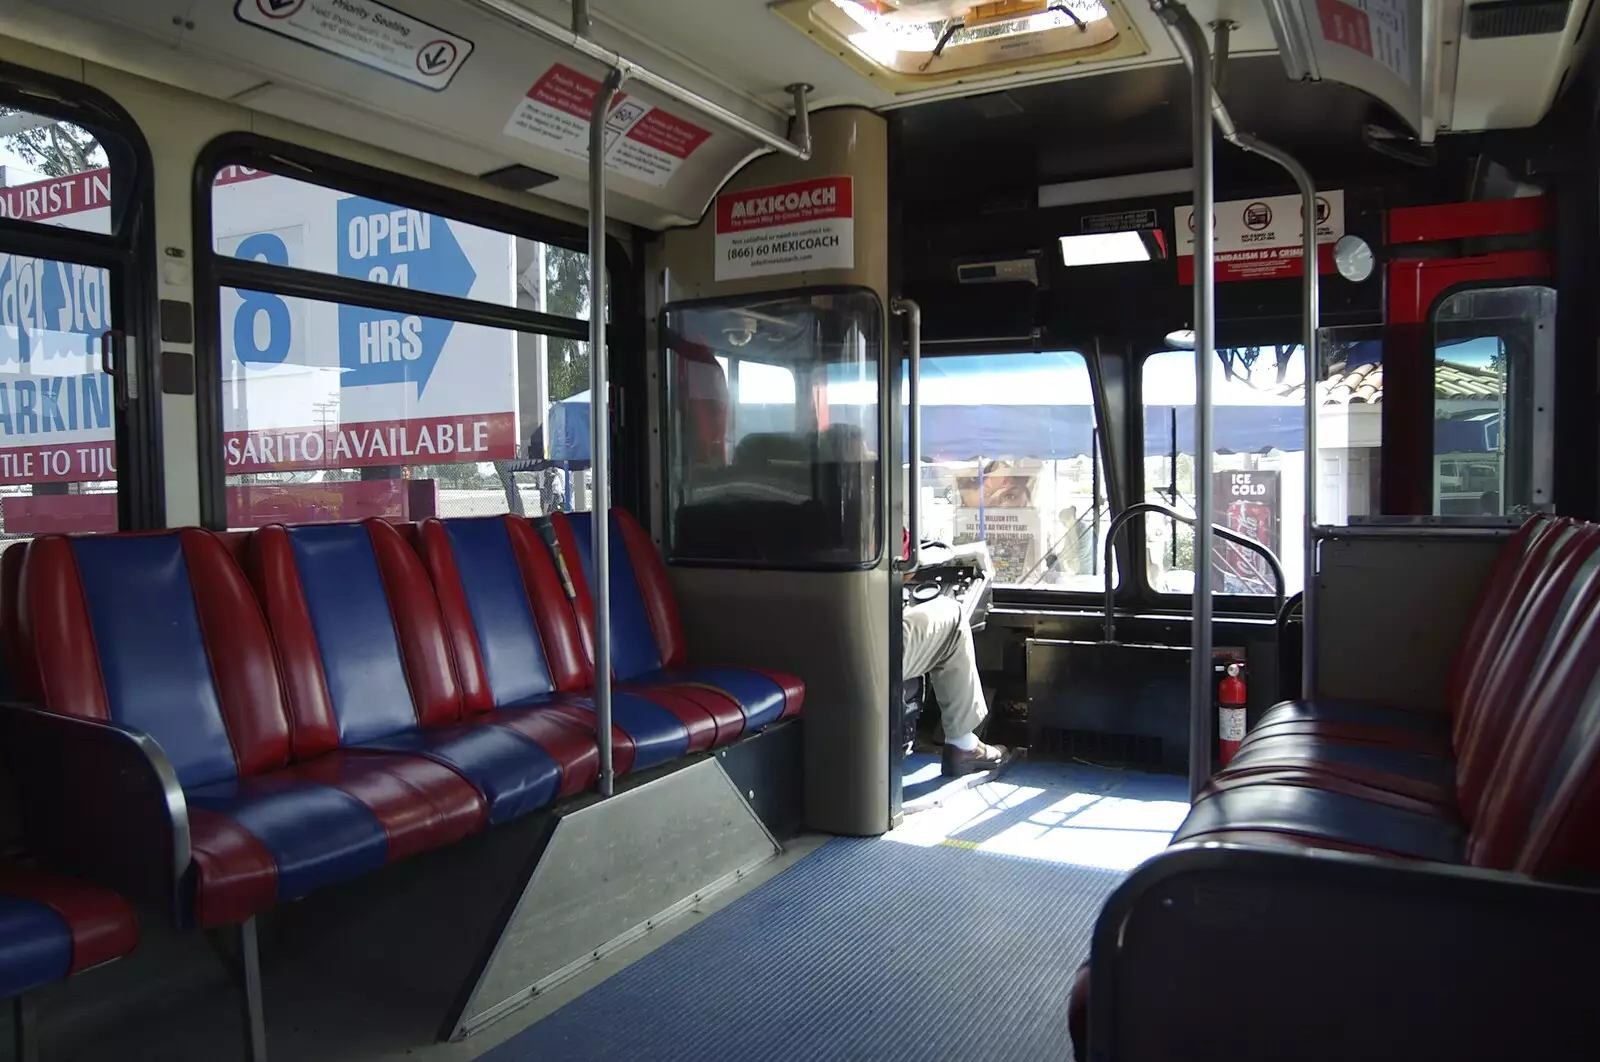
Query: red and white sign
column 1260, row 239
column 642, row 141
column 419, row 441
column 786, row 228
column 1378, row 29
column 82, row 201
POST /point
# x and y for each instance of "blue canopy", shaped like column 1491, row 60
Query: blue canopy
column 1049, row 433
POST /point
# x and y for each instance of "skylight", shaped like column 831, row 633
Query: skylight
column 1106, row 248
column 933, row 40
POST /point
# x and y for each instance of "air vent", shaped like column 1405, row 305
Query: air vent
column 1516, row 18
column 1093, row 746
column 518, row 178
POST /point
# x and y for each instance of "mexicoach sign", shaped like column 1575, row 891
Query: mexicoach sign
column 787, row 228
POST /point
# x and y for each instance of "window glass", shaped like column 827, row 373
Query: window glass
column 57, row 419
column 1011, row 455
column 321, row 424
column 1492, row 379
column 1258, row 479
column 773, row 430
column 53, row 172
column 283, row 221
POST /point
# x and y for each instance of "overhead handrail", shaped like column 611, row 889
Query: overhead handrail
column 1121, row 520
column 577, row 39
column 1191, row 43
column 1311, row 314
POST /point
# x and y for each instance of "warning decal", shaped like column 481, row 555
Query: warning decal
column 366, row 32
column 642, row 141
column 1378, row 29
column 1260, row 239
column 787, row 228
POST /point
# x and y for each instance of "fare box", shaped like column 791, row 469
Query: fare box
column 786, row 228
column 642, row 141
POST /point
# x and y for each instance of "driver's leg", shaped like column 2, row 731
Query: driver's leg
column 938, row 643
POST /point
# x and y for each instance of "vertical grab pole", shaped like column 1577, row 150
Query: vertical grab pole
column 913, row 314
column 1311, row 313
column 1191, row 42
column 600, row 426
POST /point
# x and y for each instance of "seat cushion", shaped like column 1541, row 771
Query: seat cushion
column 1373, row 771
column 761, row 697
column 52, row 927
column 1356, row 721
column 520, row 759
column 645, row 732
column 274, row 837
column 1315, row 818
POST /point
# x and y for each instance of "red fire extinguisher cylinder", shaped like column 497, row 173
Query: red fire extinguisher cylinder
column 1231, row 696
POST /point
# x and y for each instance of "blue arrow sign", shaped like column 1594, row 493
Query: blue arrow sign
column 382, row 242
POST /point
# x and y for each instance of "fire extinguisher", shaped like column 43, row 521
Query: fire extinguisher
column 1230, row 712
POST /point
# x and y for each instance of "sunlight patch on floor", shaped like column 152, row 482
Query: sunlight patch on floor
column 1060, row 813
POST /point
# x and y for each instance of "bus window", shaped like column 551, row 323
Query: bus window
column 1011, row 455
column 1492, row 373
column 1258, row 483
column 773, row 430
column 63, row 301
column 53, row 172
column 339, row 411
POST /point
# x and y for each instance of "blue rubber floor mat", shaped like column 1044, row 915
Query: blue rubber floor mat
column 922, row 945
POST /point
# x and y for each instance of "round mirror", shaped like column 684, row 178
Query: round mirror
column 1352, row 257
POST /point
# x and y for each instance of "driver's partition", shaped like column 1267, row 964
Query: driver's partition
column 769, row 381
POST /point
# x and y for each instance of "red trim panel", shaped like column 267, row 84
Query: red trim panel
column 1459, row 221
column 102, row 925
column 243, row 666
column 1414, row 285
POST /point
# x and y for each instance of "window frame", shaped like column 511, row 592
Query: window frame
column 128, row 254
column 1544, row 373
column 214, row 271
column 886, row 392
column 1223, row 604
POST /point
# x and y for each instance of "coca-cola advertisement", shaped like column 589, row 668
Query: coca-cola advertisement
column 1245, row 501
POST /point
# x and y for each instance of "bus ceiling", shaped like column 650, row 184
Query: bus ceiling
column 494, row 87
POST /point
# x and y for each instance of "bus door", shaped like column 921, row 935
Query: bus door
column 1469, row 372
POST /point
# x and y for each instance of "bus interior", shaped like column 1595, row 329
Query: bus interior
column 469, row 470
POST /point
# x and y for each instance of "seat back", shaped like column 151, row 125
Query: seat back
column 158, row 632
column 512, row 632
column 1540, row 625
column 15, row 680
column 1540, row 811
column 646, row 632
column 1522, row 561
column 358, row 629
